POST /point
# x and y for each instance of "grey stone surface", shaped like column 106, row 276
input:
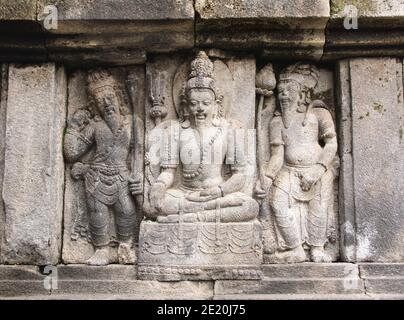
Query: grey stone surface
column 3, row 104
column 382, row 278
column 18, row 10
column 310, row 270
column 261, row 9
column 21, row 281
column 126, row 10
column 137, row 289
column 374, row 121
column 118, row 32
column 298, row 279
column 34, row 169
column 267, row 25
column 99, row 32
column 391, row 10
column 306, row 281
column 379, row 32
column 82, row 282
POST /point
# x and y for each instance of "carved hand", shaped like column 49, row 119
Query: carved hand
column 78, row 170
column 156, row 195
column 135, row 185
column 205, row 195
column 312, row 176
column 79, row 120
column 262, row 191
column 211, row 194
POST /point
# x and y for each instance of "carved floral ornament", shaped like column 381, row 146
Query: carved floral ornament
column 207, row 215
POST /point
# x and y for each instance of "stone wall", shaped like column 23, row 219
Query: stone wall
column 151, row 55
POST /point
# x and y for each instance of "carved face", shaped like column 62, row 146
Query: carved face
column 201, row 105
column 106, row 101
column 288, row 94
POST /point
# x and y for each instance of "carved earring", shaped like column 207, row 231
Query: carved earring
column 301, row 103
column 185, row 116
column 216, row 116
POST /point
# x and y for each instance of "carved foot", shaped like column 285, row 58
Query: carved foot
column 269, row 243
column 99, row 258
column 317, row 254
column 126, row 254
column 295, row 255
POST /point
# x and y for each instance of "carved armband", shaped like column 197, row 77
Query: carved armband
column 323, row 165
column 276, row 143
column 328, row 135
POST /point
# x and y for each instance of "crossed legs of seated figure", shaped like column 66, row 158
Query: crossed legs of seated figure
column 125, row 219
column 236, row 207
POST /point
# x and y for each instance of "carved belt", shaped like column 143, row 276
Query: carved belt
column 108, row 170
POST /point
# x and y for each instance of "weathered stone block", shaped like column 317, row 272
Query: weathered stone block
column 18, row 10
column 379, row 30
column 297, row 279
column 88, row 28
column 33, row 164
column 373, row 120
column 121, row 281
column 293, row 28
column 383, row 278
column 392, row 10
column 21, row 281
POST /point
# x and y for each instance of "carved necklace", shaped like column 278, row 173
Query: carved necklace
column 203, row 154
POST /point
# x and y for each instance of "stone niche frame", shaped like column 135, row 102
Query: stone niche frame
column 235, row 77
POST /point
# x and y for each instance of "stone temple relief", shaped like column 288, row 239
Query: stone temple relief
column 103, row 145
column 296, row 183
column 201, row 220
column 201, row 167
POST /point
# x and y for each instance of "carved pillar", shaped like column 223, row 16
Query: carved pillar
column 3, row 101
column 372, row 151
column 33, row 164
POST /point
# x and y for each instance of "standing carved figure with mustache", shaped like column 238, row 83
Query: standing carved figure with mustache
column 107, row 176
column 302, row 167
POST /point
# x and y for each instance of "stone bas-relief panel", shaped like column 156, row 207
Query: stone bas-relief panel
column 296, row 182
column 201, row 219
column 198, row 203
column 103, row 147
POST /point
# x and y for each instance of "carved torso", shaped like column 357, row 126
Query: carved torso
column 112, row 148
column 202, row 160
column 302, row 146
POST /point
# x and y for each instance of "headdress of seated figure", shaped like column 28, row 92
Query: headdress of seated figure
column 201, row 77
column 306, row 75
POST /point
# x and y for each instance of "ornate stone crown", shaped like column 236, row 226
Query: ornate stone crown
column 100, row 78
column 201, row 75
column 304, row 73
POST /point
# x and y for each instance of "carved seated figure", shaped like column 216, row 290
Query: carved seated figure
column 200, row 147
